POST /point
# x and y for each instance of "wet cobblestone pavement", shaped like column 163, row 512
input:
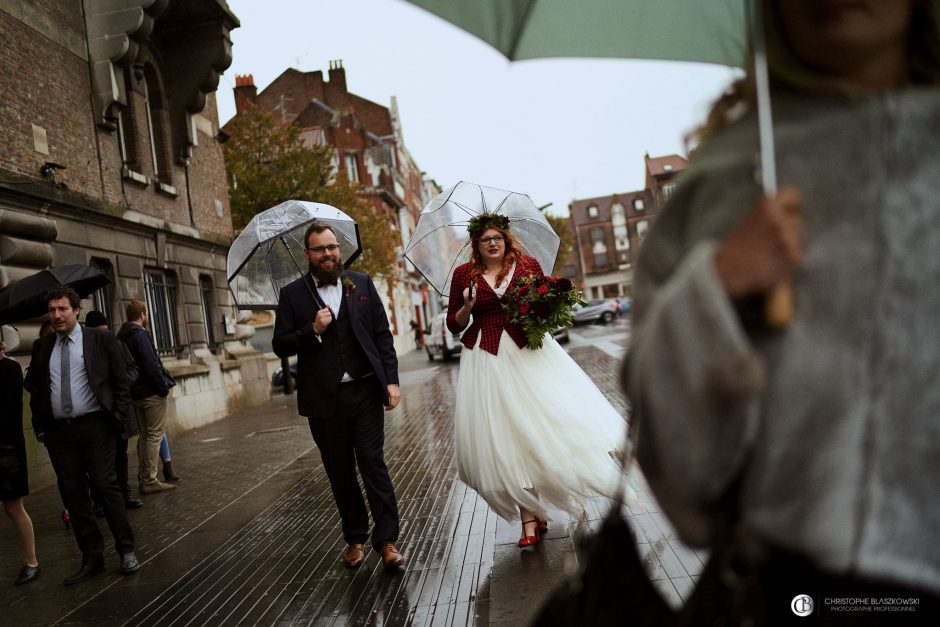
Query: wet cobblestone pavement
column 251, row 536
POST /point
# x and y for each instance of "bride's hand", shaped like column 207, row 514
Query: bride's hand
column 469, row 302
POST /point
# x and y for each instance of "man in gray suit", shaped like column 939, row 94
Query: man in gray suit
column 80, row 399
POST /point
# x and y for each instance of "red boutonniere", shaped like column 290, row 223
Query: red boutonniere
column 348, row 286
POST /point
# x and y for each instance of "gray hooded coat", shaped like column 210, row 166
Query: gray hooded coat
column 833, row 425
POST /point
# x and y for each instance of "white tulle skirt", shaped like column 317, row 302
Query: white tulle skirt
column 532, row 429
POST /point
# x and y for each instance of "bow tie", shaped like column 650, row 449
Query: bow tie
column 326, row 283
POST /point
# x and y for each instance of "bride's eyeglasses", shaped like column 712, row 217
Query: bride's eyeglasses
column 495, row 239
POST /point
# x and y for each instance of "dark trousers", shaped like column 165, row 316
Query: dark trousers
column 356, row 436
column 120, row 467
column 82, row 452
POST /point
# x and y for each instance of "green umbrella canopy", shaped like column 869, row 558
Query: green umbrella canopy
column 710, row 31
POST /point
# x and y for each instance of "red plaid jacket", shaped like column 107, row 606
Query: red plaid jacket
column 488, row 316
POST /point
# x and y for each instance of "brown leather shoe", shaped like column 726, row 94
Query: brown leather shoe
column 353, row 555
column 391, row 557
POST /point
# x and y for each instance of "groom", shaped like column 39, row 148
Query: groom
column 347, row 370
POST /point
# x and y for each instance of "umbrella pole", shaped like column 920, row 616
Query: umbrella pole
column 300, row 271
column 765, row 125
column 778, row 305
column 288, row 379
column 285, row 364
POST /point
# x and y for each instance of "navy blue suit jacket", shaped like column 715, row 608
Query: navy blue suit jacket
column 319, row 367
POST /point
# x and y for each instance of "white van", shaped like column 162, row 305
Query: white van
column 439, row 341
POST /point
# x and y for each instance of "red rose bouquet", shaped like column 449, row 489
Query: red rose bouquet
column 540, row 305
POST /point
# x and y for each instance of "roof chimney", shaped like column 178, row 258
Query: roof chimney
column 337, row 77
column 245, row 93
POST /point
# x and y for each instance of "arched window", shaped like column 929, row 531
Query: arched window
column 157, row 125
column 127, row 126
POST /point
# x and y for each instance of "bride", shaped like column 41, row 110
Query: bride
column 531, row 427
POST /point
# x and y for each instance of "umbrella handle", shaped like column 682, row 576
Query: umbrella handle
column 778, row 307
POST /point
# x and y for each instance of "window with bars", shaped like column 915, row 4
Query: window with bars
column 160, row 296
column 205, row 290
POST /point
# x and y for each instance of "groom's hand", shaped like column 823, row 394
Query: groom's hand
column 393, row 397
column 322, row 321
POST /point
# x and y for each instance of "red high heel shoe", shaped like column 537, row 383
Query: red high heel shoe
column 66, row 518
column 525, row 540
column 542, row 525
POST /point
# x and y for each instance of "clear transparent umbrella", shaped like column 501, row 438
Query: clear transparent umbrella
column 269, row 252
column 440, row 241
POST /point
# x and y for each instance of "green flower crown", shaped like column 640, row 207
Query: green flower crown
column 483, row 221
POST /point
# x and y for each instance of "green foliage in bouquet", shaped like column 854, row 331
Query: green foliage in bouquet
column 540, row 305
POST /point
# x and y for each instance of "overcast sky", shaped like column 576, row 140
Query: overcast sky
column 556, row 129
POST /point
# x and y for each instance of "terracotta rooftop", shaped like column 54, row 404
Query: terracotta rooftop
column 664, row 165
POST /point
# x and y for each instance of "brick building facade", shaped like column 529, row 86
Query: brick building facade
column 370, row 150
column 610, row 229
column 110, row 158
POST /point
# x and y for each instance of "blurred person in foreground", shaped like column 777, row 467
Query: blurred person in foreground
column 807, row 456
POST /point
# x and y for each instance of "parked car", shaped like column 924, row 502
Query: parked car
column 600, row 309
column 623, row 305
column 277, row 377
column 439, row 341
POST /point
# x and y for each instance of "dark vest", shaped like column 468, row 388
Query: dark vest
column 352, row 357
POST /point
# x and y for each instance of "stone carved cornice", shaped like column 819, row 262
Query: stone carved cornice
column 190, row 37
column 116, row 29
column 195, row 46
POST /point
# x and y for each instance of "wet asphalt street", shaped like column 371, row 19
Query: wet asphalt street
column 251, row 536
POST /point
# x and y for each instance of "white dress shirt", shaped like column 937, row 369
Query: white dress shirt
column 332, row 297
column 83, row 399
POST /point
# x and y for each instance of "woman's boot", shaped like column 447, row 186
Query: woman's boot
column 168, row 474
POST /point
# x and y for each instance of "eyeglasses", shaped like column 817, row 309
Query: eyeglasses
column 319, row 250
column 495, row 239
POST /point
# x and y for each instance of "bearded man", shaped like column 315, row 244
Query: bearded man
column 347, row 370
